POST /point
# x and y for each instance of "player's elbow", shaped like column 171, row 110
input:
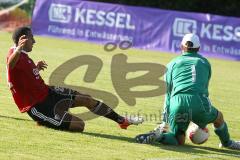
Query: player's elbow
column 12, row 61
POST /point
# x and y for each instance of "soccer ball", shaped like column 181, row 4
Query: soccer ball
column 196, row 134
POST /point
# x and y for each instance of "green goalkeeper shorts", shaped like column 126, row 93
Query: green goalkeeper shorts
column 190, row 107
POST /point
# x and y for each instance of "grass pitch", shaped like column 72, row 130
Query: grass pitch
column 20, row 138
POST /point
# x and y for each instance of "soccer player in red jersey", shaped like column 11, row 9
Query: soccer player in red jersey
column 49, row 105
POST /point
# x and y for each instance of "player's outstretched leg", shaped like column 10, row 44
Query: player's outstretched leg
column 102, row 109
column 221, row 130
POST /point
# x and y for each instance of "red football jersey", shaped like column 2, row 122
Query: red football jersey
column 25, row 82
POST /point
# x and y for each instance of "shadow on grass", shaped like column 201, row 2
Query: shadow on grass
column 195, row 150
column 233, row 153
column 113, row 137
column 189, row 149
column 14, row 118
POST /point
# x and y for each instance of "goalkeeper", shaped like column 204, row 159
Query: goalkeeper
column 186, row 100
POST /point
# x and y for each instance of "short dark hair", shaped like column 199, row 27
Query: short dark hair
column 189, row 44
column 189, row 48
column 19, row 32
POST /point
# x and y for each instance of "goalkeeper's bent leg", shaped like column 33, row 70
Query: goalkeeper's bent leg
column 221, row 130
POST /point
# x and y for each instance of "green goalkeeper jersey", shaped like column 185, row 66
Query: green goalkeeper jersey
column 188, row 73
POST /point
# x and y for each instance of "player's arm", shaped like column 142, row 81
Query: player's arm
column 168, row 82
column 13, row 59
column 210, row 72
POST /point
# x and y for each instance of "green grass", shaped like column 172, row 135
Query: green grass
column 20, row 138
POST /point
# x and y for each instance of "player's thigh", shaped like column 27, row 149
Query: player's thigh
column 178, row 125
column 78, row 99
column 179, row 115
column 85, row 100
column 205, row 112
column 53, row 111
column 44, row 116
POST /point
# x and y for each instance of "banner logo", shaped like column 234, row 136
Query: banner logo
column 60, row 13
column 183, row 26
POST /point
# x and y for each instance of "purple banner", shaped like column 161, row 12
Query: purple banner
column 147, row 28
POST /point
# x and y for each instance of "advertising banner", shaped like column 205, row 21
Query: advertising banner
column 146, row 28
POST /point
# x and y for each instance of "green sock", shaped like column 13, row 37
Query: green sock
column 223, row 134
column 168, row 138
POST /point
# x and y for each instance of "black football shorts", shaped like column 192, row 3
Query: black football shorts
column 53, row 111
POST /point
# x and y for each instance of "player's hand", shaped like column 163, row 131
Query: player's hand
column 21, row 43
column 41, row 65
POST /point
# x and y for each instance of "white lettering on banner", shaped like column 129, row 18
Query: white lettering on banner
column 210, row 31
column 110, row 19
column 220, row 32
column 237, row 34
column 90, row 17
column 120, row 20
column 205, row 31
column 63, row 14
column 223, row 50
column 87, row 33
column 128, row 22
column 102, row 18
column 60, row 13
column 64, row 31
column 106, row 36
column 79, row 14
column 217, row 32
column 228, row 33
